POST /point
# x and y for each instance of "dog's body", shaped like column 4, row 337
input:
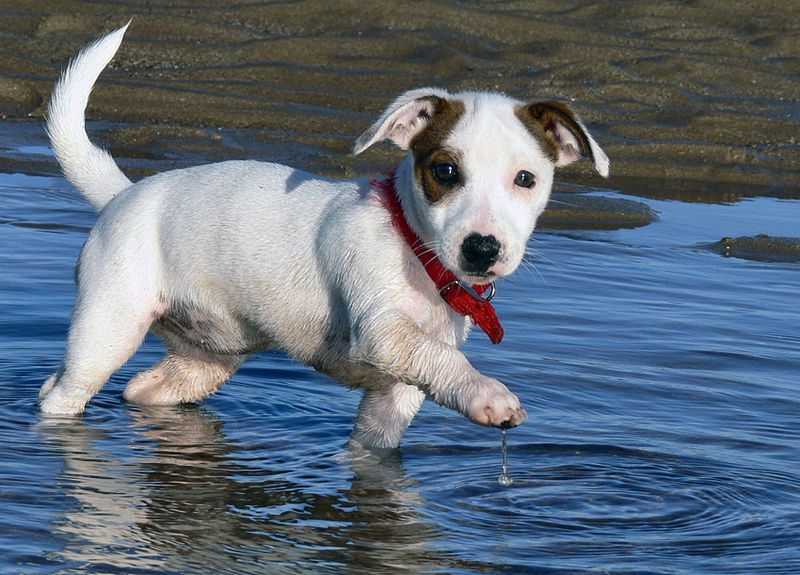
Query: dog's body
column 227, row 259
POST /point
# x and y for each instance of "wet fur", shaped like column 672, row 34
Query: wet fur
column 224, row 260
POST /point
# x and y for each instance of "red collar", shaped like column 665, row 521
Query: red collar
column 466, row 300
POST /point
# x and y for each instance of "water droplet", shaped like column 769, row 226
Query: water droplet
column 505, row 479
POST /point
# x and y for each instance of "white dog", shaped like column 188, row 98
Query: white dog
column 373, row 283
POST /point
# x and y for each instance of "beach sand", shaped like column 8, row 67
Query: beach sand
column 696, row 101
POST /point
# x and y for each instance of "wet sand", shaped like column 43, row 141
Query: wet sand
column 762, row 247
column 694, row 101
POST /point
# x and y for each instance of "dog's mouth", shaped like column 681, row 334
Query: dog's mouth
column 498, row 270
column 480, row 278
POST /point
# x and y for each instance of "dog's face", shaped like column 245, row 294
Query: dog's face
column 481, row 168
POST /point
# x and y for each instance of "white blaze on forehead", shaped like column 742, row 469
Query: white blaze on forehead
column 491, row 140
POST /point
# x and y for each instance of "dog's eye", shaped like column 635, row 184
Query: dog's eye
column 446, row 174
column 524, row 179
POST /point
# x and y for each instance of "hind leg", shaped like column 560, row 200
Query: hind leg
column 117, row 301
column 186, row 375
column 384, row 414
column 108, row 325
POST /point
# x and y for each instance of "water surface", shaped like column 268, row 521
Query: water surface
column 660, row 378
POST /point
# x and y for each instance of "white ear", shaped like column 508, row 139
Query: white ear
column 402, row 120
column 567, row 134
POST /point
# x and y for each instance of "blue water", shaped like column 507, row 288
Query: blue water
column 664, row 434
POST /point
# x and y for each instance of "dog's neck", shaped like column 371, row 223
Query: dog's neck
column 466, row 300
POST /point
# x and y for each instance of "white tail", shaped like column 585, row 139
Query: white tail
column 90, row 169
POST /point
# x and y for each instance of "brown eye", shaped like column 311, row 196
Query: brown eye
column 524, row 179
column 446, row 174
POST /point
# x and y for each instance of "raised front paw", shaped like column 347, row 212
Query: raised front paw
column 494, row 405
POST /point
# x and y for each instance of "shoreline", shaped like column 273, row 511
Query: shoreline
column 144, row 150
column 688, row 102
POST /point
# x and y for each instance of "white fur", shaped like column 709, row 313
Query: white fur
column 87, row 167
column 227, row 259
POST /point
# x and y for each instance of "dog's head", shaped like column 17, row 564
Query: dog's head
column 479, row 171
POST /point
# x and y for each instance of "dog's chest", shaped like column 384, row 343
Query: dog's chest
column 436, row 318
column 422, row 303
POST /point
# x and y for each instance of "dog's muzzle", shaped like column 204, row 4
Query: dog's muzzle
column 479, row 253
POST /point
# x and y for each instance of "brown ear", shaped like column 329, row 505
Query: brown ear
column 563, row 134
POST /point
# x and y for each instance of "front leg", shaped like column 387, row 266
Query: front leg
column 384, row 414
column 397, row 346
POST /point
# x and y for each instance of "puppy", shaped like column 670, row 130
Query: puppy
column 375, row 283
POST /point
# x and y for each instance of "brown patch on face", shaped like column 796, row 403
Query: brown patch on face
column 540, row 118
column 428, row 150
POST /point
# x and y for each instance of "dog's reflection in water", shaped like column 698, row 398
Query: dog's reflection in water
column 180, row 496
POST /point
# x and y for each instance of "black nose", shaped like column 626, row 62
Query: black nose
column 478, row 253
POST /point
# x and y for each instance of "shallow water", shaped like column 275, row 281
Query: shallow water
column 660, row 378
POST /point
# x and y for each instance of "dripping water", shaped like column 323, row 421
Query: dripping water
column 505, row 479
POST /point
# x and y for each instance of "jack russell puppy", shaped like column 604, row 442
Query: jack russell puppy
column 375, row 283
